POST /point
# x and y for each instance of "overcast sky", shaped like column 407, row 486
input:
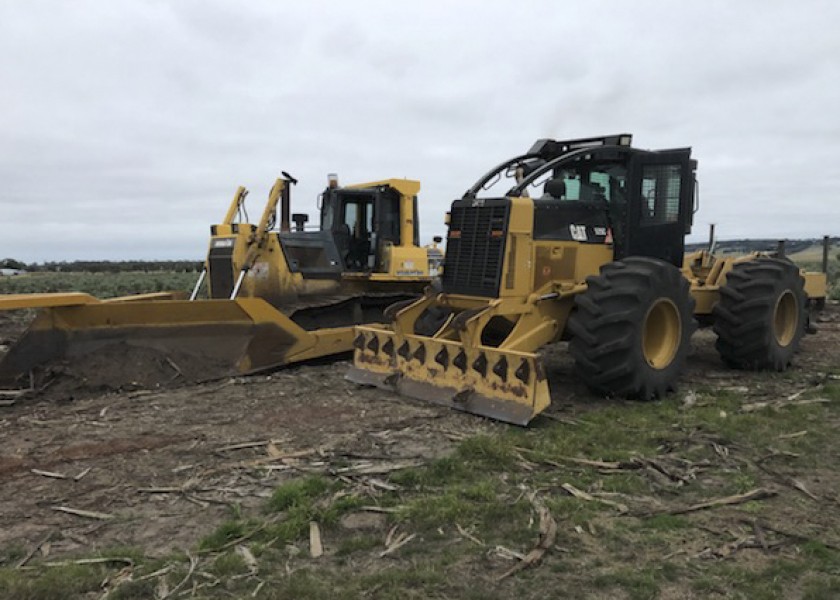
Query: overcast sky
column 126, row 126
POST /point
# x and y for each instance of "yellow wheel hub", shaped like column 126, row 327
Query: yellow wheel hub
column 785, row 318
column 661, row 333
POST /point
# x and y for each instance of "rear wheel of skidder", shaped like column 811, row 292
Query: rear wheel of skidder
column 761, row 315
column 631, row 329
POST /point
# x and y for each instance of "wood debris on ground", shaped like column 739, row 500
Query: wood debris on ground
column 755, row 494
column 88, row 514
column 547, row 535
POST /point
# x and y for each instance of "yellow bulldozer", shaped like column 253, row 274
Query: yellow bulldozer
column 597, row 259
column 275, row 295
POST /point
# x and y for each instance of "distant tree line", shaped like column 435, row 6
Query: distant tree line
column 760, row 245
column 105, row 266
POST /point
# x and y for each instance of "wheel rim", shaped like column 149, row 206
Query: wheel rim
column 785, row 318
column 661, row 333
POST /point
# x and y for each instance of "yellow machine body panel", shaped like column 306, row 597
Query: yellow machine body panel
column 404, row 261
column 707, row 274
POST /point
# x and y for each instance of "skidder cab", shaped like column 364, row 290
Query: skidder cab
column 587, row 244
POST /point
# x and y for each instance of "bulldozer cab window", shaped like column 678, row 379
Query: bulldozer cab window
column 660, row 194
column 358, row 216
column 358, row 222
column 327, row 215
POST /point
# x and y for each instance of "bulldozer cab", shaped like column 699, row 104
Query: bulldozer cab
column 364, row 222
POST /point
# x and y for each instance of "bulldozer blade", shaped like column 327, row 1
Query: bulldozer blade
column 500, row 384
column 208, row 338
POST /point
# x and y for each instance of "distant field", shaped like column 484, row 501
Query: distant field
column 815, row 253
column 109, row 285
column 101, row 285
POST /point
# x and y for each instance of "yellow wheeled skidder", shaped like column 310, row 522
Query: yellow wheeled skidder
column 276, row 295
column 597, row 259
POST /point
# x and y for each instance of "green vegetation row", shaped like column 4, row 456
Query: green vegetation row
column 101, row 285
column 104, row 266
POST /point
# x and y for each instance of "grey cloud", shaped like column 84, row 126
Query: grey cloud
column 125, row 127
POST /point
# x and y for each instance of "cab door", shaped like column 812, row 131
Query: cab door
column 386, row 222
column 659, row 205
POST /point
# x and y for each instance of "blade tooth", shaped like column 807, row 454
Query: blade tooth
column 373, row 344
column 480, row 365
column 388, row 348
column 403, row 350
column 359, row 341
column 460, row 361
column 442, row 358
column 501, row 369
column 420, row 353
column 523, row 372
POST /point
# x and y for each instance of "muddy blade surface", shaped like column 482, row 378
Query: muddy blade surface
column 127, row 343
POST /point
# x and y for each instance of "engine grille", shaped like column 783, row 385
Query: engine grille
column 475, row 247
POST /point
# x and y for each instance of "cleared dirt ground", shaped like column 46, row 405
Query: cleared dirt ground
column 155, row 471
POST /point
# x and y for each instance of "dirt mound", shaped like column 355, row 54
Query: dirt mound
column 124, row 367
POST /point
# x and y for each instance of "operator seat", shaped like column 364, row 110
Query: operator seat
column 554, row 188
column 359, row 248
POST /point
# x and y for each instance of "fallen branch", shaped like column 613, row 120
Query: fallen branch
column 600, row 464
column 377, row 469
column 790, row 436
column 249, row 558
column 622, row 508
column 50, row 474
column 756, row 494
column 788, row 481
column 154, row 574
column 378, row 483
column 507, row 553
column 468, row 535
column 182, row 583
column 88, row 514
column 548, row 533
column 92, row 561
column 243, row 445
column 34, row 549
column 82, row 474
column 162, row 490
column 381, row 509
column 316, row 548
column 14, row 394
column 400, row 541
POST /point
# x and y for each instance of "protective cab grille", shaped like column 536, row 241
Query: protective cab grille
column 221, row 272
column 475, row 247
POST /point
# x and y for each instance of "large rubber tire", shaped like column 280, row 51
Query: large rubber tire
column 631, row 329
column 761, row 315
